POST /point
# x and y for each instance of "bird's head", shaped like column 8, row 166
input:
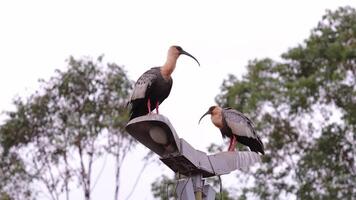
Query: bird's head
column 212, row 111
column 176, row 51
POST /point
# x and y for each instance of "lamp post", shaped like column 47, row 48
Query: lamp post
column 157, row 133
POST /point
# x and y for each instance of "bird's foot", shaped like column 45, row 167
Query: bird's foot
column 232, row 148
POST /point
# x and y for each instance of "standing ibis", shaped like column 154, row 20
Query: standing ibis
column 154, row 86
column 236, row 126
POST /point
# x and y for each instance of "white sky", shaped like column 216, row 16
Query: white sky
column 37, row 36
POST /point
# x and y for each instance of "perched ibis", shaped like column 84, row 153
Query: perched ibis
column 236, row 126
column 154, row 86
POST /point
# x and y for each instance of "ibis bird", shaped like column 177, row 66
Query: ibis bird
column 236, row 126
column 154, row 86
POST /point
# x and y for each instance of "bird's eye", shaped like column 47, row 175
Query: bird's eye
column 179, row 48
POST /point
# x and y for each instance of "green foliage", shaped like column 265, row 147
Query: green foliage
column 296, row 106
column 221, row 193
column 13, row 179
column 164, row 188
column 57, row 133
column 336, row 156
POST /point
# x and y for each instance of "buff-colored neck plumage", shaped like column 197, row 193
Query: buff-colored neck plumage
column 168, row 67
column 216, row 117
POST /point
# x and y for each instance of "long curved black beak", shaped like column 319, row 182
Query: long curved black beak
column 207, row 113
column 188, row 54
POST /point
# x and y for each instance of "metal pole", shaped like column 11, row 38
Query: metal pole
column 198, row 195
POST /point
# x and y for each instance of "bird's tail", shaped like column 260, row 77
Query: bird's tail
column 137, row 113
column 258, row 148
column 137, row 109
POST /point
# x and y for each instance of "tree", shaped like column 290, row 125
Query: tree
column 165, row 188
column 304, row 109
column 13, row 179
column 54, row 137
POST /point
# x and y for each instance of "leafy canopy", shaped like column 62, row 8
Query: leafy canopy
column 54, row 136
column 304, row 108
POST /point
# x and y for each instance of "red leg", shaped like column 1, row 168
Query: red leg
column 149, row 106
column 230, row 144
column 157, row 105
column 233, row 143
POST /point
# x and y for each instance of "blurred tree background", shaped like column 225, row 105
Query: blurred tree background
column 53, row 138
column 304, row 108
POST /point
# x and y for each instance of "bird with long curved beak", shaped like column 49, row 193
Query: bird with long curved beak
column 154, row 86
column 236, row 126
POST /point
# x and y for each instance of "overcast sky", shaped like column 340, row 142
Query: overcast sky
column 37, row 36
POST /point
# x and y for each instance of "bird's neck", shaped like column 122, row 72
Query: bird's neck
column 217, row 120
column 168, row 67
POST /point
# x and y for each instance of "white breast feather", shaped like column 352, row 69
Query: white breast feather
column 139, row 91
column 143, row 83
